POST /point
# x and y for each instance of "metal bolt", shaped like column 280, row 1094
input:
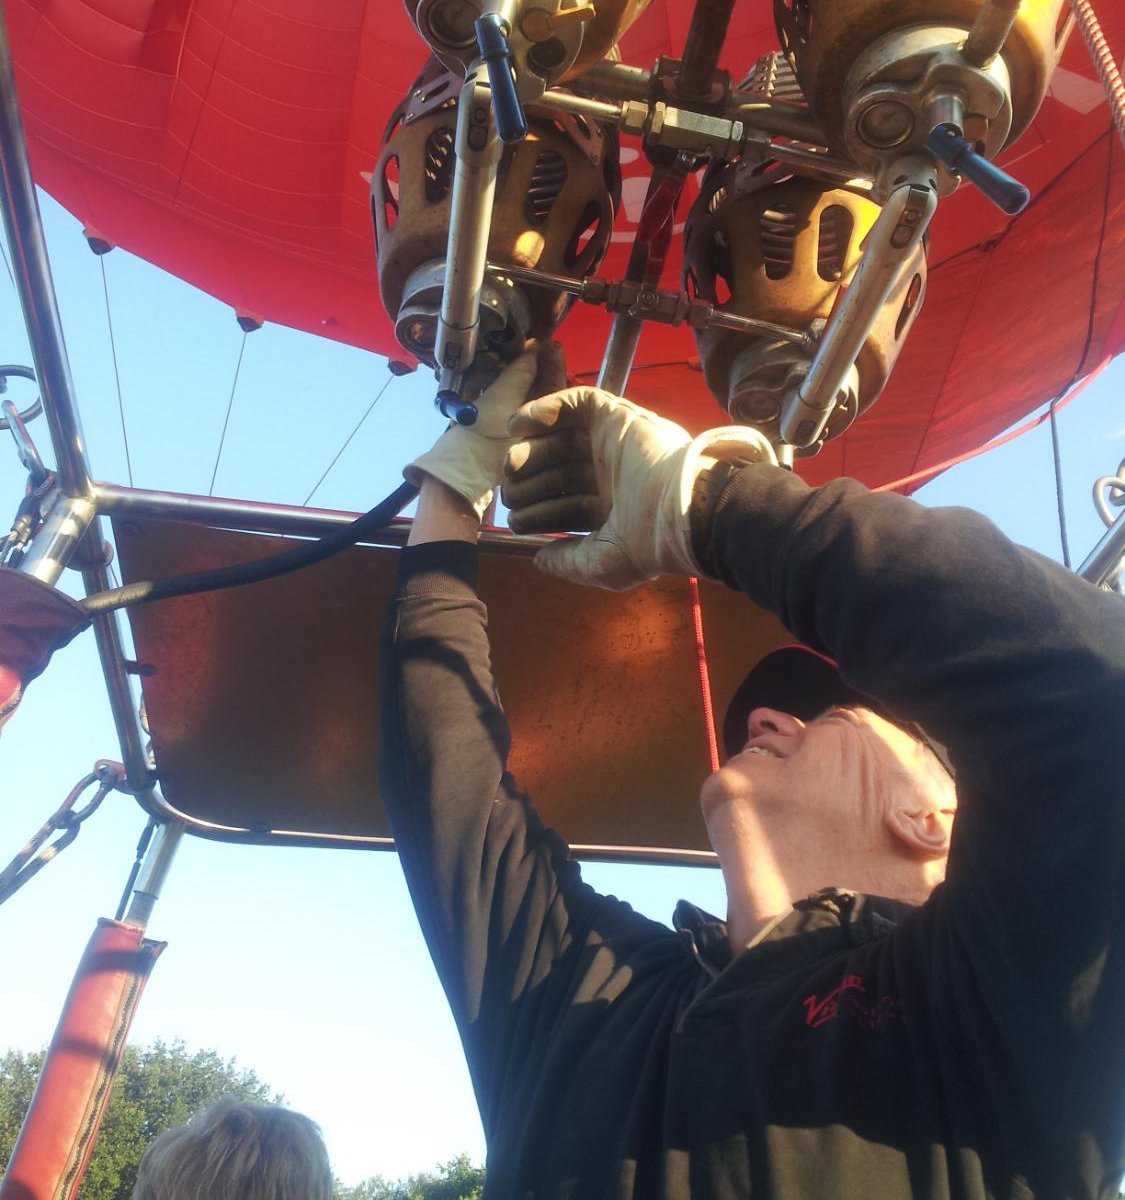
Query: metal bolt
column 886, row 123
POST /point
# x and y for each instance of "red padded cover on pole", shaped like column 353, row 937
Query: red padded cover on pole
column 61, row 1126
column 35, row 621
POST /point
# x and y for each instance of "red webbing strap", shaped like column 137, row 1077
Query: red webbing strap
column 704, row 677
column 61, row 1126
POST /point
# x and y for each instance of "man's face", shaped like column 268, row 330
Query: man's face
column 826, row 764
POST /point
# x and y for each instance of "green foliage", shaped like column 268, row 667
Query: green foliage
column 157, row 1086
column 162, row 1085
column 455, row 1180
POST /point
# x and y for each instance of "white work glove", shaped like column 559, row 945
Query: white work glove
column 470, row 458
column 588, row 460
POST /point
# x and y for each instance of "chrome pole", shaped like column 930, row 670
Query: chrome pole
column 153, row 873
column 73, row 518
column 32, row 270
column 1106, row 561
column 474, row 185
column 122, row 700
column 892, row 241
column 247, row 516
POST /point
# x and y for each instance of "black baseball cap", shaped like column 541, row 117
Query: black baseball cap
column 799, row 681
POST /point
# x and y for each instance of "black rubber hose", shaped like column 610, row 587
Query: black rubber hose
column 305, row 555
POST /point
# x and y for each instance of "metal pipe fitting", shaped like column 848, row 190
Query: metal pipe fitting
column 53, row 546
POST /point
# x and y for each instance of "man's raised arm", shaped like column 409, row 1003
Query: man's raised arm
column 1014, row 664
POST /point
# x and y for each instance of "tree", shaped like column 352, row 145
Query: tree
column 454, row 1180
column 162, row 1085
column 157, row 1086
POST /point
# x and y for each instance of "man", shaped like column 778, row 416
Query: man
column 856, row 1028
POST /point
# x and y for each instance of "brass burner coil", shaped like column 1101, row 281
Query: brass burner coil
column 556, row 195
column 583, row 32
column 778, row 248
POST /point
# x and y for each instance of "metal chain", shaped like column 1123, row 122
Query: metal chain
column 66, row 820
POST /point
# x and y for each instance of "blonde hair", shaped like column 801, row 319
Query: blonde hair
column 237, row 1151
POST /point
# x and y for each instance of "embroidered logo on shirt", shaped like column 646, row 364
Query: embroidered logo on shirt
column 851, row 999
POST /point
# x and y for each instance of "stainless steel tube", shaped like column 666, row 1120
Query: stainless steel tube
column 583, row 106
column 154, row 871
column 287, row 520
column 122, row 701
column 1106, row 561
column 62, row 532
column 891, row 243
column 617, row 81
column 620, row 351
column 32, row 270
column 773, row 116
column 474, row 186
column 706, row 35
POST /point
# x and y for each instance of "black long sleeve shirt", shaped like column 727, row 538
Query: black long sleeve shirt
column 971, row 1047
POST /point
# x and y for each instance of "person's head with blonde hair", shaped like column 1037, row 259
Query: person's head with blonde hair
column 237, row 1151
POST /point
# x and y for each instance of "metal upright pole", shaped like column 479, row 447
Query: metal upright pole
column 32, row 271
column 73, row 528
column 1106, row 561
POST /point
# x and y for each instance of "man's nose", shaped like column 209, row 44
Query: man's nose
column 772, row 720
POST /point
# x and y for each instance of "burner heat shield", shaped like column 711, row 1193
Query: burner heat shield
column 871, row 69
column 562, row 41
column 556, row 195
column 779, row 248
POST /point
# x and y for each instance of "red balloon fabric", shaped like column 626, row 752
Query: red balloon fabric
column 231, row 143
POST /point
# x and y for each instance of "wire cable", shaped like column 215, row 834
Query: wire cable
column 347, row 440
column 4, row 252
column 305, row 555
column 116, row 371
column 226, row 419
column 1056, row 454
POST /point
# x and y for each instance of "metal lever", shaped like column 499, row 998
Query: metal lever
column 492, row 41
column 947, row 145
column 453, row 408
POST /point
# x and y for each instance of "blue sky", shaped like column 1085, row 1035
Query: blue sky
column 307, row 965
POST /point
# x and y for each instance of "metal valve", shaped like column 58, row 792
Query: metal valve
column 492, row 42
column 960, row 157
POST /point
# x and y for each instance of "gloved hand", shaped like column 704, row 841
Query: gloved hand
column 470, row 458
column 589, row 460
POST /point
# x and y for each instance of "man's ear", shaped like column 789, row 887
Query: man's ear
column 921, row 831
